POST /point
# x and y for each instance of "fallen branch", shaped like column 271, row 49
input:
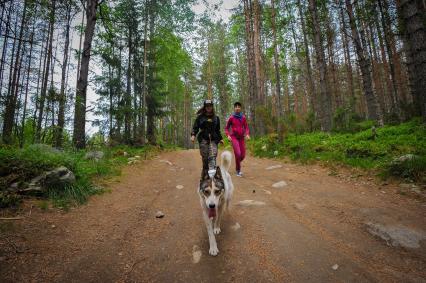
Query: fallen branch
column 11, row 218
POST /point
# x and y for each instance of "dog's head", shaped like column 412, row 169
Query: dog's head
column 212, row 190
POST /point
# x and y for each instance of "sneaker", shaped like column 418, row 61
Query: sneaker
column 239, row 174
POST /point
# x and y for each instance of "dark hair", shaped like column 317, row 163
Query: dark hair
column 237, row 104
column 202, row 110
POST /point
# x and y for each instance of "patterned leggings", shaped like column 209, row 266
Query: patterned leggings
column 208, row 151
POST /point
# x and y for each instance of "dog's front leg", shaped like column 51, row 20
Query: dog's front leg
column 216, row 229
column 212, row 240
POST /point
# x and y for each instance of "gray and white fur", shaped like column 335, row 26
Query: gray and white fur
column 215, row 196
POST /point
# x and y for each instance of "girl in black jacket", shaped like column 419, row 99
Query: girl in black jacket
column 207, row 126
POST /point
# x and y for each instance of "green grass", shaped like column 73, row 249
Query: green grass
column 21, row 165
column 355, row 149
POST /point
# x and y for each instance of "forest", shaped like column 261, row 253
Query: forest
column 101, row 102
column 78, row 75
column 324, row 65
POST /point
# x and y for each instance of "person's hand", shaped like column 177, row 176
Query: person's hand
column 229, row 138
column 247, row 137
column 192, row 139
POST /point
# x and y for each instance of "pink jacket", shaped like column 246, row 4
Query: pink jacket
column 239, row 127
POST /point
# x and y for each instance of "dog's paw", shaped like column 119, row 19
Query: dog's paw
column 216, row 230
column 213, row 250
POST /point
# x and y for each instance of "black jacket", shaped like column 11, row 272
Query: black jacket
column 207, row 125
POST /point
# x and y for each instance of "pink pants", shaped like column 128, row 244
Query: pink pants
column 239, row 151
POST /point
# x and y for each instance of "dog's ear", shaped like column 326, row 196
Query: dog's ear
column 205, row 175
column 218, row 174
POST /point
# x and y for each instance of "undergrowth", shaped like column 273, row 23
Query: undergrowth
column 21, row 165
column 362, row 149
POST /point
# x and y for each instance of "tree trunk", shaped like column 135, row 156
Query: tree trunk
column 128, row 98
column 336, row 95
column 79, row 139
column 250, row 65
column 348, row 61
column 136, row 103
column 12, row 60
column 142, row 99
column 325, row 101
column 119, row 112
column 209, row 70
column 310, row 81
column 377, row 72
column 187, row 111
column 111, row 107
column 24, row 114
column 150, row 99
column 18, row 90
column 277, row 73
column 373, row 111
column 386, row 69
column 258, row 62
column 51, row 93
column 43, row 92
column 62, row 98
column 412, row 17
column 136, row 85
column 4, row 51
column 242, row 77
column 389, row 41
column 3, row 7
column 40, row 75
column 222, row 79
column 79, row 48
column 11, row 99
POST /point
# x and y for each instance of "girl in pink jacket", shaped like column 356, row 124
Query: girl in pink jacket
column 239, row 130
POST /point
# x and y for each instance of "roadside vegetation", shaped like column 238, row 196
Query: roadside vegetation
column 398, row 150
column 18, row 167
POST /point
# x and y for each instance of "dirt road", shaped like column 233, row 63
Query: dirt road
column 317, row 228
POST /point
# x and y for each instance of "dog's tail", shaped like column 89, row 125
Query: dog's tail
column 226, row 158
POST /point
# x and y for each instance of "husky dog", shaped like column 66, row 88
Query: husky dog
column 215, row 194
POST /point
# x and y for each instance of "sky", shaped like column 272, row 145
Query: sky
column 225, row 7
column 224, row 11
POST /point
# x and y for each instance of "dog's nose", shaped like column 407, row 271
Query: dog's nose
column 212, row 205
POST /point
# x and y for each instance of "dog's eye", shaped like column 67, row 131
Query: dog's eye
column 206, row 192
column 217, row 192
